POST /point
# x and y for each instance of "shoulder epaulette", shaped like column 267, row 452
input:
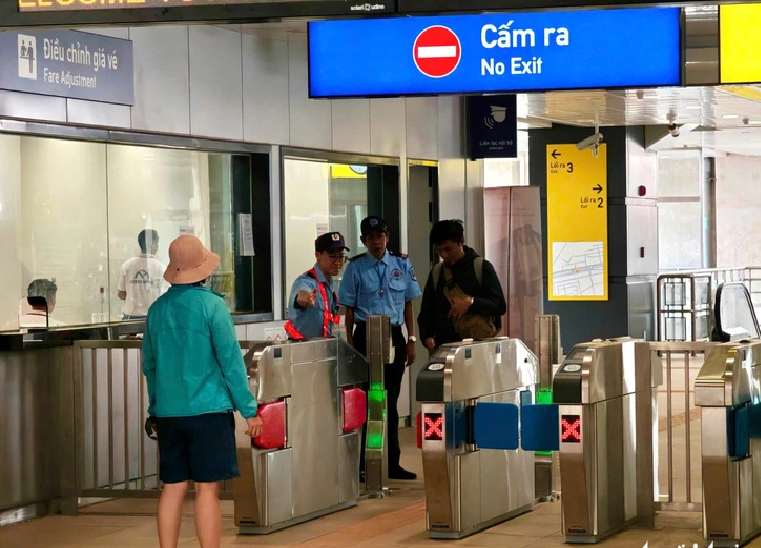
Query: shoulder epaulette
column 400, row 255
column 356, row 257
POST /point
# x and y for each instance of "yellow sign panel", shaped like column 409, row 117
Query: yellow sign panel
column 577, row 223
column 739, row 43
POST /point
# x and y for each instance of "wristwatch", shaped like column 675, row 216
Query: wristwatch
column 412, row 338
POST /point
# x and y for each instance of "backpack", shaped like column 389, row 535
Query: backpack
column 471, row 326
column 478, row 265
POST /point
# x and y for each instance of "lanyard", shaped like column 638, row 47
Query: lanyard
column 381, row 277
column 327, row 318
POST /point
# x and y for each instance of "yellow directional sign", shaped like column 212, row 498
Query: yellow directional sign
column 577, row 223
column 739, row 43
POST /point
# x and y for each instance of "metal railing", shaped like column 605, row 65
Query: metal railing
column 681, row 362
column 114, row 457
column 685, row 301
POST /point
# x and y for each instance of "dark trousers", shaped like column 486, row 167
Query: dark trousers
column 394, row 373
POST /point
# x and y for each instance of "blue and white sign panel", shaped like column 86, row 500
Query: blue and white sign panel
column 495, row 53
column 67, row 63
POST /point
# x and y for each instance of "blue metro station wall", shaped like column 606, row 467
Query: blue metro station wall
column 495, row 53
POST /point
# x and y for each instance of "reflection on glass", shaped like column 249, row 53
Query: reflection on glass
column 98, row 220
column 321, row 197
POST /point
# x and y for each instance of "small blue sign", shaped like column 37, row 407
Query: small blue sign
column 495, row 53
column 66, row 63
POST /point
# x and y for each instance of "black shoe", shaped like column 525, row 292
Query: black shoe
column 401, row 474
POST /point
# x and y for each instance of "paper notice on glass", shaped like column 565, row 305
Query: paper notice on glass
column 246, row 235
column 322, row 228
column 190, row 230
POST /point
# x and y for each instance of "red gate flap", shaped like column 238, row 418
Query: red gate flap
column 419, row 422
column 273, row 416
column 355, row 409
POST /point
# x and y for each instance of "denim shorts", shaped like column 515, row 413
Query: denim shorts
column 200, row 448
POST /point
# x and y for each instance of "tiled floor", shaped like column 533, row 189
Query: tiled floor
column 395, row 521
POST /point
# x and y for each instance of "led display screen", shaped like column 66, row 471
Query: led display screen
column 433, row 427
column 570, row 428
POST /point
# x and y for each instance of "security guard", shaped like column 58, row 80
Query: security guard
column 379, row 283
column 313, row 305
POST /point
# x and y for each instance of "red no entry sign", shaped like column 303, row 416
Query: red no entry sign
column 437, row 51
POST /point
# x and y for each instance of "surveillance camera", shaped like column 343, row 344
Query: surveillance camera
column 640, row 94
column 674, row 130
column 591, row 141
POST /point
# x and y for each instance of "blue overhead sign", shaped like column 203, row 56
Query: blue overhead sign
column 495, row 53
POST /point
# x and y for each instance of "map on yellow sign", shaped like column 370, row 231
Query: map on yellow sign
column 577, row 223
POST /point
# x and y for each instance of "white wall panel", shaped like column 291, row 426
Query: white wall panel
column 310, row 118
column 452, row 188
column 474, row 214
column 450, row 127
column 423, row 127
column 34, row 107
column 265, row 90
column 388, row 126
column 91, row 113
column 162, row 93
column 114, row 32
column 216, row 83
column 351, row 125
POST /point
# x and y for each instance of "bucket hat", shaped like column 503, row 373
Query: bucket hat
column 189, row 261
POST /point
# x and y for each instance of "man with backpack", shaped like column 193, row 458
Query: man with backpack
column 463, row 298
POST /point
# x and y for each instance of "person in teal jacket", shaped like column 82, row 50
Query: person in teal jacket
column 196, row 378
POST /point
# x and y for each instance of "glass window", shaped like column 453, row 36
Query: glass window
column 325, row 197
column 92, row 223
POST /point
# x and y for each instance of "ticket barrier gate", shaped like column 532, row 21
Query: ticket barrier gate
column 727, row 390
column 306, row 463
column 607, row 398
column 475, row 474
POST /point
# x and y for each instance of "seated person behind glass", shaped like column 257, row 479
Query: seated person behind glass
column 313, row 303
column 141, row 281
column 41, row 296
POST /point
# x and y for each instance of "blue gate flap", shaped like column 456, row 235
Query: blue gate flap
column 754, row 420
column 496, row 426
column 540, row 427
column 738, row 433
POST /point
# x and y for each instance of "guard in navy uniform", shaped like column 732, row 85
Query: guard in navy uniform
column 313, row 305
column 379, row 283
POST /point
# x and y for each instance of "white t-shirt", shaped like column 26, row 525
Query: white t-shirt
column 143, row 280
column 36, row 318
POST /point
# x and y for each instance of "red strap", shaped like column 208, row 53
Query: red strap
column 293, row 332
column 328, row 316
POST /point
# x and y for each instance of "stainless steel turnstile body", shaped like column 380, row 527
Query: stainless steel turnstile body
column 728, row 387
column 468, row 489
column 606, row 393
column 317, row 470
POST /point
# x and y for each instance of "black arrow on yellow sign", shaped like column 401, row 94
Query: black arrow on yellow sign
column 555, row 154
column 598, row 188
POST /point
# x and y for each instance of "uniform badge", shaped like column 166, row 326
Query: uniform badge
column 396, row 274
column 336, row 237
column 412, row 273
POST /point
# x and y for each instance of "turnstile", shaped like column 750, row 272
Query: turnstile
column 607, row 397
column 471, row 393
column 728, row 392
column 306, row 463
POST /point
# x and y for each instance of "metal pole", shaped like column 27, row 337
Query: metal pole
column 379, row 353
column 687, row 424
column 669, row 432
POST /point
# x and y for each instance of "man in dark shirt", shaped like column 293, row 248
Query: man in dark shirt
column 463, row 297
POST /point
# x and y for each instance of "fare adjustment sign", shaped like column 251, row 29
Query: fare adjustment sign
column 577, row 223
column 65, row 63
column 494, row 53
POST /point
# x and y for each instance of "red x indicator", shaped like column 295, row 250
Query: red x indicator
column 570, row 428
column 434, row 427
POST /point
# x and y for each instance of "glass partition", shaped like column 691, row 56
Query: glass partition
column 321, row 197
column 94, row 221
